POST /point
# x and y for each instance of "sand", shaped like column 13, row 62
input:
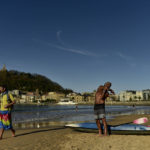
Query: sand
column 60, row 138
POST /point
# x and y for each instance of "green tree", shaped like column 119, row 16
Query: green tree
column 130, row 99
column 139, row 97
column 135, row 97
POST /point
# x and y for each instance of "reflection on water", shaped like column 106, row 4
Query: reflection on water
column 31, row 116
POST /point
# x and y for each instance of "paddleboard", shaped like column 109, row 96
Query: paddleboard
column 119, row 129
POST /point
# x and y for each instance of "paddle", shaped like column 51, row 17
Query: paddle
column 140, row 120
column 137, row 121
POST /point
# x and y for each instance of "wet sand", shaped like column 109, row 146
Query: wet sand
column 60, row 138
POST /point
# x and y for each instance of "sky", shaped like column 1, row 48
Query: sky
column 79, row 44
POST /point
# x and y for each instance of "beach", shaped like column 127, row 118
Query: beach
column 61, row 138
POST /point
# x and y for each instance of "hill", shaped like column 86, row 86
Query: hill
column 29, row 82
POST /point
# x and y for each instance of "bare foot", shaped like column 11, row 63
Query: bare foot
column 13, row 133
column 100, row 135
column 106, row 134
column 100, row 132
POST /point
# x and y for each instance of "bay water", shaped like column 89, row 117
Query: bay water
column 36, row 114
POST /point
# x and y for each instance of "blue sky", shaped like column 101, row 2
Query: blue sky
column 79, row 44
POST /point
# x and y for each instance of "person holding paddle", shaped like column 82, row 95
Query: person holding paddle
column 99, row 107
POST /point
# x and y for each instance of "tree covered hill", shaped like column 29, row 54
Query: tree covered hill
column 29, row 82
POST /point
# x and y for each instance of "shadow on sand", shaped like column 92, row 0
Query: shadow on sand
column 41, row 130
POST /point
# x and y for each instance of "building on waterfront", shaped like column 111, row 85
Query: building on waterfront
column 30, row 97
column 15, row 93
column 27, row 97
column 44, row 97
column 55, row 95
column 71, row 95
column 146, row 94
column 134, row 95
column 127, row 96
column 78, row 98
column 23, row 98
column 89, row 97
column 112, row 97
column 139, row 96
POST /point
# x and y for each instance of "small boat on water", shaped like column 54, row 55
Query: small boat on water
column 129, row 129
column 66, row 101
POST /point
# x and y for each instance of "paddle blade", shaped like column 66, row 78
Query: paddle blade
column 140, row 120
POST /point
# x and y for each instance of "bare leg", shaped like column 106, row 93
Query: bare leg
column 13, row 132
column 99, row 127
column 105, row 126
column 1, row 133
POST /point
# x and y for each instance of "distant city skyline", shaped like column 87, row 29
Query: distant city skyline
column 78, row 44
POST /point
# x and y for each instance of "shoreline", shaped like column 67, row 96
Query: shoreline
column 121, row 119
column 138, row 103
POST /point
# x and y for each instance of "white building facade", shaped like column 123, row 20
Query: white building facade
column 134, row 95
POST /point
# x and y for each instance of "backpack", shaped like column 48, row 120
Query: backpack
column 9, row 100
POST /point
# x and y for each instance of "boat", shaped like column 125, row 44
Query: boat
column 66, row 101
column 127, row 128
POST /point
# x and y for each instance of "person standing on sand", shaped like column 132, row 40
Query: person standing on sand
column 7, row 102
column 99, row 107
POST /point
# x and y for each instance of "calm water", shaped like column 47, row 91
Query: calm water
column 35, row 113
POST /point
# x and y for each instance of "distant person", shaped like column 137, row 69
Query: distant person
column 7, row 102
column 133, row 106
column 76, row 107
column 99, row 107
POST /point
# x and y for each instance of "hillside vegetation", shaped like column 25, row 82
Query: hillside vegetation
column 29, row 82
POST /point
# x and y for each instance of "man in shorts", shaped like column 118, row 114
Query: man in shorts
column 6, row 103
column 99, row 107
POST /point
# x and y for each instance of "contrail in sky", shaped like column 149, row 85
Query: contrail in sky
column 126, row 58
column 63, row 47
column 85, row 53
column 67, row 48
column 58, row 37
